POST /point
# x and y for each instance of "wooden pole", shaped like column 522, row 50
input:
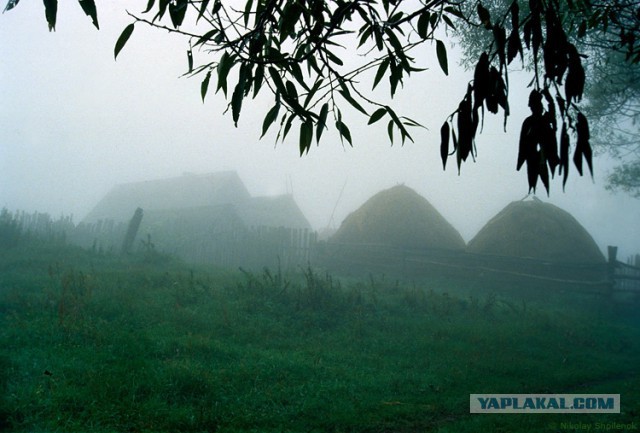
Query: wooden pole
column 132, row 231
column 612, row 264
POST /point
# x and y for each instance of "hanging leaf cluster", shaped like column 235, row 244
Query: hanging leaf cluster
column 558, row 85
column 301, row 52
column 51, row 11
column 296, row 50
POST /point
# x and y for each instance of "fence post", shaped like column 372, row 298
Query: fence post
column 132, row 231
column 611, row 268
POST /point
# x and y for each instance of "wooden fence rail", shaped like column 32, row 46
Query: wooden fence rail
column 604, row 278
column 624, row 277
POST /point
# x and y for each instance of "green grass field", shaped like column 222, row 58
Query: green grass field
column 98, row 343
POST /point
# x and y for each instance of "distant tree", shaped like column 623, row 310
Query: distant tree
column 296, row 50
column 607, row 40
column 613, row 105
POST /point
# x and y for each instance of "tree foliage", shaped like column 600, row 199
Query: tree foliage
column 300, row 52
column 606, row 35
column 613, row 106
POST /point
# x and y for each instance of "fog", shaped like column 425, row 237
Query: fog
column 74, row 123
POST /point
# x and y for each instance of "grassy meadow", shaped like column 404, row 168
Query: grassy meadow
column 103, row 343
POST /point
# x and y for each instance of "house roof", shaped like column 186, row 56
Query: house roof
column 186, row 191
column 199, row 199
column 204, row 221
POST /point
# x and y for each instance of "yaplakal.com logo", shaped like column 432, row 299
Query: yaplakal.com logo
column 544, row 403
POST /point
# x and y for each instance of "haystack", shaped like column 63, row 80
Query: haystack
column 400, row 217
column 538, row 230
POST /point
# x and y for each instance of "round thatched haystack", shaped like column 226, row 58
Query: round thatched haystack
column 401, row 217
column 537, row 230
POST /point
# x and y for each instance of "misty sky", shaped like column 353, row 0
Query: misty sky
column 75, row 122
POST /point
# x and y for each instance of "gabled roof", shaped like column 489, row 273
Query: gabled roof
column 187, row 191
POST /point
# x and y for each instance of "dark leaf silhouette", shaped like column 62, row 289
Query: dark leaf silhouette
column 51, row 13
column 89, row 8
column 543, row 172
column 306, row 136
column 514, row 46
column 481, row 80
column 564, row 154
column 444, row 143
column 237, row 98
column 583, row 148
column 555, row 48
column 536, row 28
column 500, row 38
column 574, row 85
column 515, row 16
column 466, row 129
column 122, row 40
column 485, row 17
column 344, row 131
column 269, row 118
column 225, row 65
column 10, row 5
column 377, row 115
column 322, row 121
column 177, row 11
column 204, row 87
column 526, row 141
column 533, row 168
column 442, row 56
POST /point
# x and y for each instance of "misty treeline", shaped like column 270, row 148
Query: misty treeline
column 295, row 51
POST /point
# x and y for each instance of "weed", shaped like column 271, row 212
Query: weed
column 74, row 290
column 319, row 293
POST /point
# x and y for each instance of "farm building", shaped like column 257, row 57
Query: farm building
column 198, row 217
column 198, row 198
column 539, row 230
column 181, row 192
column 399, row 217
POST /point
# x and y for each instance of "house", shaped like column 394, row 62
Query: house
column 200, row 217
column 186, row 191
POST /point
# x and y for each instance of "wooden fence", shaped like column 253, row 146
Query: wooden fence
column 224, row 243
column 101, row 236
column 602, row 278
column 252, row 248
column 42, row 225
column 624, row 277
column 225, row 246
